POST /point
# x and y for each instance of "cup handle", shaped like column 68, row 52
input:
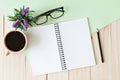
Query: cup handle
column 7, row 53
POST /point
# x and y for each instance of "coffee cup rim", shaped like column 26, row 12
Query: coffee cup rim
column 11, row 51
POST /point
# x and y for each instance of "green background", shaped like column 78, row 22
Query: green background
column 99, row 12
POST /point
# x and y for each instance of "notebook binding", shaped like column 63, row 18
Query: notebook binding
column 60, row 46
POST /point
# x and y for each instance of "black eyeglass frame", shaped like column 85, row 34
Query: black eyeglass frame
column 48, row 13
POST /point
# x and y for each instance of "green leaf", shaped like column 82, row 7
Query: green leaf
column 19, row 17
column 30, row 23
column 16, row 27
column 27, row 14
column 23, row 7
column 21, row 10
column 21, row 26
column 31, row 11
column 30, row 18
column 12, row 17
column 16, row 13
column 16, row 10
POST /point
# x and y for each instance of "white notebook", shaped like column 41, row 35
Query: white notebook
column 60, row 46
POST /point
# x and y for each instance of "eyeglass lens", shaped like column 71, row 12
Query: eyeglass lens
column 54, row 14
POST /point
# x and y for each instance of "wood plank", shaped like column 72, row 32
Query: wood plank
column 28, row 70
column 118, row 47
column 103, row 71
column 7, row 27
column 96, row 48
column 13, row 65
column 58, row 76
column 79, row 74
column 42, row 77
column 1, row 67
column 1, row 45
column 115, row 31
column 29, row 75
column 1, row 33
column 111, row 65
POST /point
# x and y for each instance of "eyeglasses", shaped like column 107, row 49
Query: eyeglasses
column 54, row 14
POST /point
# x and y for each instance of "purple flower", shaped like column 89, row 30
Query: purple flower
column 25, row 22
column 16, row 23
column 24, row 11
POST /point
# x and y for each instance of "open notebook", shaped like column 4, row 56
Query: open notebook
column 60, row 46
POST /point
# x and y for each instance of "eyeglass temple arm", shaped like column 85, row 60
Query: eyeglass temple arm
column 36, row 17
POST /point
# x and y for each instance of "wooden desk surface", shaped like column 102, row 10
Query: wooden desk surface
column 16, row 67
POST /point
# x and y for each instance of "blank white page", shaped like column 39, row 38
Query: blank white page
column 76, row 42
column 43, row 50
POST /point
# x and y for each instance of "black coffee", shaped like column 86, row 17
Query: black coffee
column 15, row 41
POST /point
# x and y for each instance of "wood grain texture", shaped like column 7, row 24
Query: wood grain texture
column 29, row 73
column 96, row 48
column 110, row 41
column 1, row 33
column 41, row 77
column 13, row 66
column 28, row 70
column 102, row 71
column 16, row 67
column 1, row 45
column 80, row 74
column 58, row 76
column 118, row 47
column 115, row 31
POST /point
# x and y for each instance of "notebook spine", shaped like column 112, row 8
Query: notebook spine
column 60, row 46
